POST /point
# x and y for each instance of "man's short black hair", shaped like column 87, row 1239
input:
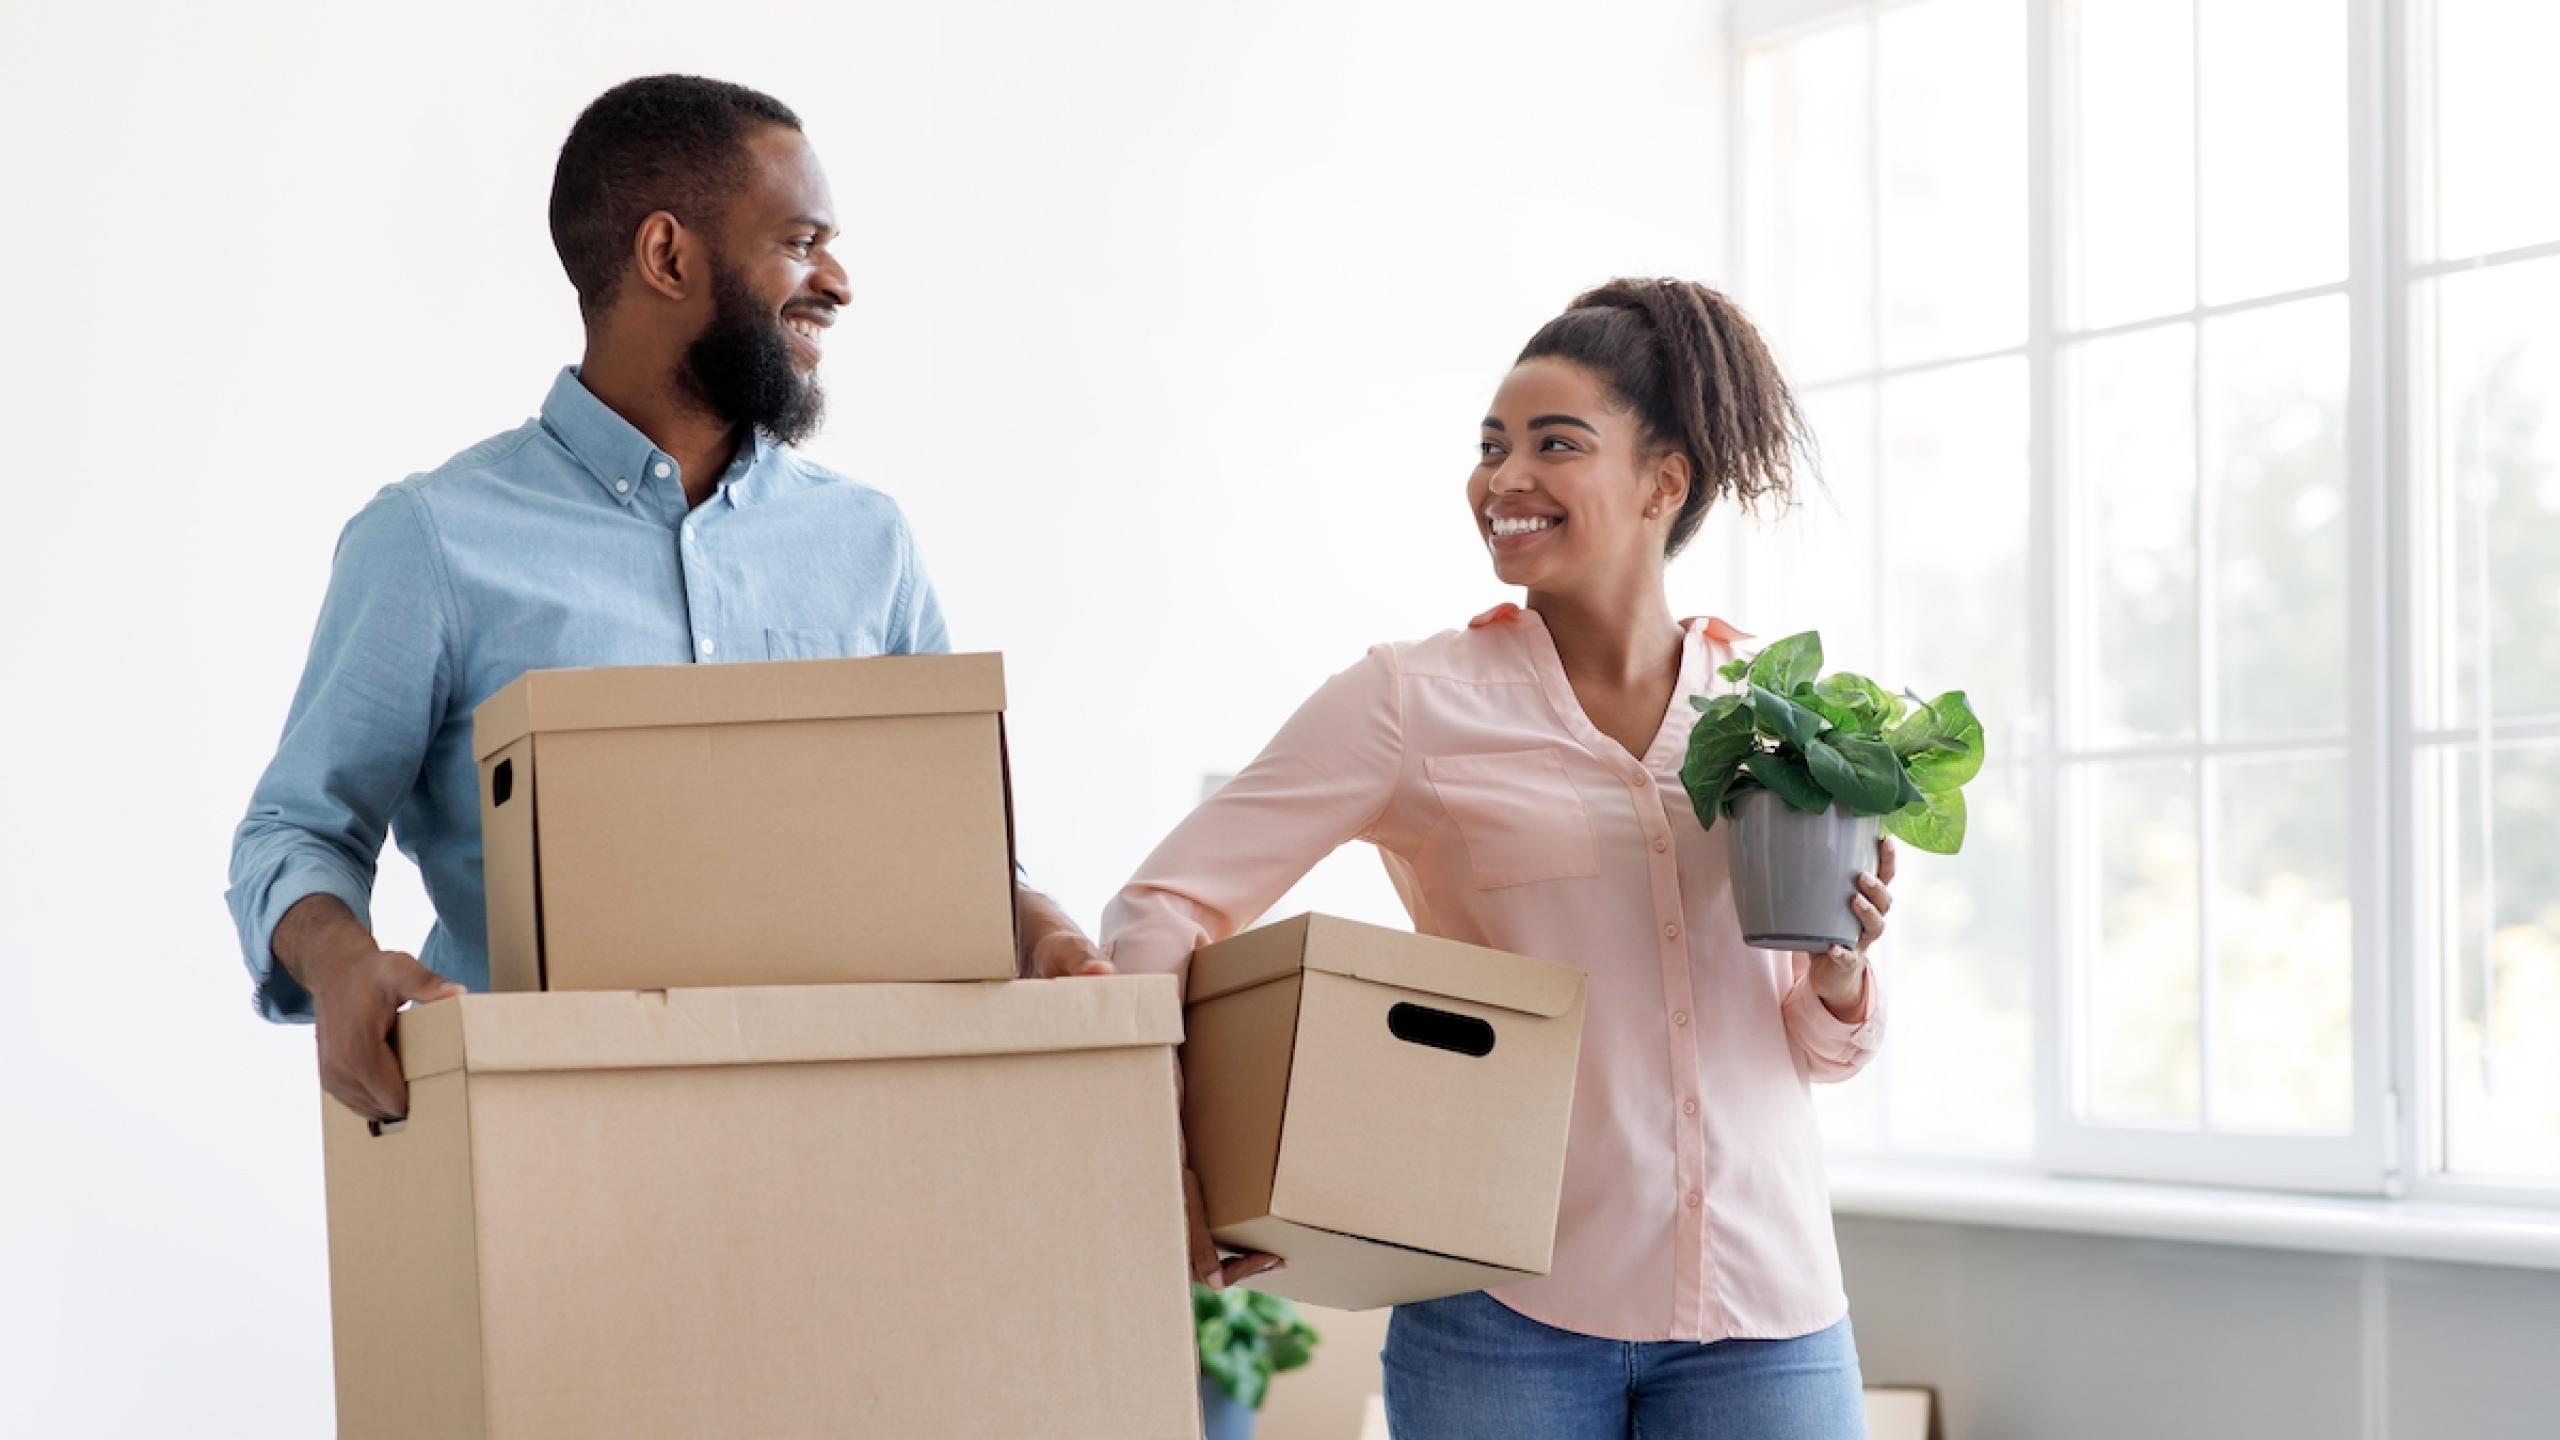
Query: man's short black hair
column 663, row 142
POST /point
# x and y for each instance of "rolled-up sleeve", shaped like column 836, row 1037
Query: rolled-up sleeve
column 1325, row 779
column 378, row 678
column 1831, row 1048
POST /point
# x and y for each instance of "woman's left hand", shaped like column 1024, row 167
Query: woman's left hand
column 1839, row 976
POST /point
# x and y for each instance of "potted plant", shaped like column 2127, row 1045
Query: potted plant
column 1246, row 1337
column 1809, row 768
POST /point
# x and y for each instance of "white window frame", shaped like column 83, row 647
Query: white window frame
column 2417, row 991
column 2394, row 1141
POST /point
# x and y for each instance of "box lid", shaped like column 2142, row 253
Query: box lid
column 784, row 1024
column 632, row 697
column 1407, row 961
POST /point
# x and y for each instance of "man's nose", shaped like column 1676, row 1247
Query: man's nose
column 832, row 282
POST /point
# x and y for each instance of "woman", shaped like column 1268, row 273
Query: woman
column 1521, row 777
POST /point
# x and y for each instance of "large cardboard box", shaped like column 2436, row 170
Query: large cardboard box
column 903, row 1211
column 1385, row 1111
column 796, row 822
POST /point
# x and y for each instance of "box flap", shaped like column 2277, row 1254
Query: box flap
column 1442, row 967
column 785, row 1024
column 1256, row 957
column 1349, row 1272
column 429, row 1040
column 631, row 697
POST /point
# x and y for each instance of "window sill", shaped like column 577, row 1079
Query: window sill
column 2019, row 1199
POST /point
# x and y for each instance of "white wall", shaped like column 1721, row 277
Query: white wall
column 1173, row 321
column 2030, row 1335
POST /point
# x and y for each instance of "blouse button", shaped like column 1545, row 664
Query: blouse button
column 1695, row 1199
column 1660, row 845
column 1688, row 1107
column 1670, row 932
column 1679, row 1017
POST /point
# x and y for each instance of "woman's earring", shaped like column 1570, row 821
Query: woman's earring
column 1651, row 511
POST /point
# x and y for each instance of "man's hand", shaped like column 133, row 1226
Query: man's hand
column 357, row 988
column 1206, row 1267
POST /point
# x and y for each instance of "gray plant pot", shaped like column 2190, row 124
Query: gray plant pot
column 1794, row 874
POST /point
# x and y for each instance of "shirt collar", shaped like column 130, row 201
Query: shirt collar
column 1715, row 628
column 1718, row 630
column 614, row 451
column 745, row 483
column 623, row 460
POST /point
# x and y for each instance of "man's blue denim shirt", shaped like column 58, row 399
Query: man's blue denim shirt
column 564, row 542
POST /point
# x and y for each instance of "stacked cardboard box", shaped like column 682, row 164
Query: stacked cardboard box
column 738, row 1156
column 798, row 822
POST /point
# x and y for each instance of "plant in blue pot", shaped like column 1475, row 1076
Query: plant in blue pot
column 1246, row 1337
column 1808, row 769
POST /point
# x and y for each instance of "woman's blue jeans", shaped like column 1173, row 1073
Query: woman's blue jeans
column 1471, row 1368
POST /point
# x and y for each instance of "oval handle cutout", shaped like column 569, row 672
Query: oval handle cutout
column 1440, row 1029
column 502, row 782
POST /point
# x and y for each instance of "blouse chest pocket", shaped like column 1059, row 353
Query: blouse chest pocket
column 1519, row 814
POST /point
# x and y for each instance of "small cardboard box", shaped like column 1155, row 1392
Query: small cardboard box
column 796, row 822
column 1903, row 1412
column 884, row 1210
column 1385, row 1111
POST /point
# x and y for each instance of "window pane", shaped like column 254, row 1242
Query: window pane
column 2134, row 431
column 2274, row 93
column 1957, row 966
column 2494, row 91
column 2275, row 395
column 1807, row 177
column 2135, row 175
column 2139, row 1006
column 1815, row 569
column 2501, row 965
column 1952, row 505
column 1952, row 139
column 2284, row 979
column 2497, row 492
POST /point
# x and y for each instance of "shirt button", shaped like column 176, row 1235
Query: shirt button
column 1638, row 781
column 621, row 487
column 1688, row 1107
column 1670, row 932
column 688, row 529
column 1660, row 845
column 1679, row 1017
column 705, row 642
column 1695, row 1199
column 662, row 469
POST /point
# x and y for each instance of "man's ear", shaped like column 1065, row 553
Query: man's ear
column 666, row 257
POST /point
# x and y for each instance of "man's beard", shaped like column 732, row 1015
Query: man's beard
column 740, row 366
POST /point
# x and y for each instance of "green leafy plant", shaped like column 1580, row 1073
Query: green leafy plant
column 1246, row 1337
column 1816, row 739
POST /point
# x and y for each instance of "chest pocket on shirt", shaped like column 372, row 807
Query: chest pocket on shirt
column 786, row 644
column 1519, row 814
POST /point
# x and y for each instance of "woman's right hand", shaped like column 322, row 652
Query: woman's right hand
column 1206, row 1266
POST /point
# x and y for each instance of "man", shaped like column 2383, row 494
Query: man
column 652, row 514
